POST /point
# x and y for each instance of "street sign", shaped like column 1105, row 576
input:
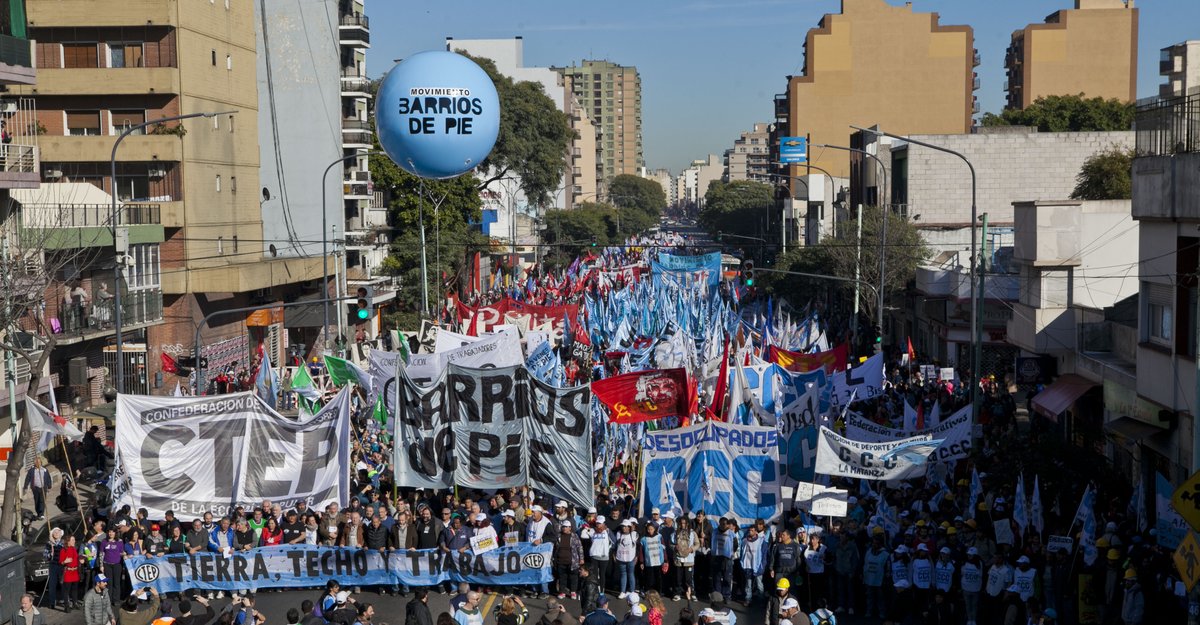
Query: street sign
column 1187, row 560
column 793, row 149
column 1186, row 501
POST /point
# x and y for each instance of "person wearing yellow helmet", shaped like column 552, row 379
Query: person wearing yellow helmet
column 1133, row 607
column 778, row 600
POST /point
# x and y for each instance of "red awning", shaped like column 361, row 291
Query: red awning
column 1059, row 396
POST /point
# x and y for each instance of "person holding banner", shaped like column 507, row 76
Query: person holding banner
column 626, row 555
column 652, row 558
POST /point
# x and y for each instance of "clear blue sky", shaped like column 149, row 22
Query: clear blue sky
column 710, row 68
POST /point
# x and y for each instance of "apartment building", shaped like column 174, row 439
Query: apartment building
column 877, row 64
column 612, row 96
column 1089, row 50
column 750, row 156
column 229, row 239
column 1179, row 65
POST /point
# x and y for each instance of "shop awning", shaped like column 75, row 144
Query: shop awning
column 1132, row 429
column 1059, row 396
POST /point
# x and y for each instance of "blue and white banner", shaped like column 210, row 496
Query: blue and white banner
column 707, row 265
column 720, row 468
column 858, row 383
column 310, row 566
column 894, row 460
column 1170, row 528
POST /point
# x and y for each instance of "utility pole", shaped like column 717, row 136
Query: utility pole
column 982, row 264
column 882, row 272
column 857, row 272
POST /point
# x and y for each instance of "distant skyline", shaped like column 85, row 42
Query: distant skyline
column 711, row 68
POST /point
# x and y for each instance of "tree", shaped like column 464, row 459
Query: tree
column 533, row 140
column 1106, row 175
column 628, row 191
column 837, row 255
column 452, row 212
column 571, row 232
column 44, row 245
column 738, row 207
column 1067, row 113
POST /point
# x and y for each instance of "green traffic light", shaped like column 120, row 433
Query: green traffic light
column 364, row 314
column 750, row 282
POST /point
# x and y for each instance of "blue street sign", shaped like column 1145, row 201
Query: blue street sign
column 793, row 149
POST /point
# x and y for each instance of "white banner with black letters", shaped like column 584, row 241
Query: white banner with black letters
column 955, row 432
column 209, row 454
column 838, row 455
column 492, row 429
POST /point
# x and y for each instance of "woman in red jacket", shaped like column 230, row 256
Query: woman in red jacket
column 69, row 559
column 272, row 534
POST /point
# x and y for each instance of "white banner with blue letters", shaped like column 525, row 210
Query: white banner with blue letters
column 296, row 566
column 720, row 468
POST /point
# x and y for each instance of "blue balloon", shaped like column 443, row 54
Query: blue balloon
column 437, row 114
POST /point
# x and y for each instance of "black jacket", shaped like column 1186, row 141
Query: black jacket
column 375, row 537
column 417, row 613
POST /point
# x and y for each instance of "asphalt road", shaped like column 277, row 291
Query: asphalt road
column 389, row 610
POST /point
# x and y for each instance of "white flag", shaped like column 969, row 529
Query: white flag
column 50, row 424
column 1020, row 509
column 1036, row 508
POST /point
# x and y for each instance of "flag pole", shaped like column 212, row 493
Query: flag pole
column 71, row 471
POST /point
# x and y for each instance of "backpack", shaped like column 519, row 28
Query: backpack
column 823, row 617
column 318, row 608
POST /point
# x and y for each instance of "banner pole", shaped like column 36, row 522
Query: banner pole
column 67, row 456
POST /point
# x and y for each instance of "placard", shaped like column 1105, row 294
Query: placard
column 483, row 544
column 1060, row 543
column 1003, row 532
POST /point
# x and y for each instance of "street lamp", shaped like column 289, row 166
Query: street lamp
column 325, row 237
column 975, row 297
column 118, row 252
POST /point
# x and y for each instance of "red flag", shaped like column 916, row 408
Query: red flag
column 920, row 415
column 718, row 398
column 912, row 355
column 169, row 365
column 832, row 360
column 644, row 395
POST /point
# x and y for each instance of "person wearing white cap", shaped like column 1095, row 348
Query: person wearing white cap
column 483, row 528
column 971, row 583
column 538, row 530
column 1024, row 577
column 598, row 540
column 707, row 615
column 922, row 575
column 1014, row 608
column 568, row 559
column 943, row 571
column 626, row 551
column 655, row 517
column 901, row 567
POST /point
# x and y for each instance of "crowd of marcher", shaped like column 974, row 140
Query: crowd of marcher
column 942, row 563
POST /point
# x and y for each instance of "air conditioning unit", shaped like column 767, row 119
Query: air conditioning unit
column 158, row 173
column 8, row 107
column 53, row 174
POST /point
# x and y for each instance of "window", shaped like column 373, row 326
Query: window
column 229, row 62
column 218, row 183
column 145, row 272
column 220, row 246
column 235, row 244
column 124, row 120
column 214, row 58
column 76, row 55
column 125, row 54
column 83, row 123
column 1158, row 313
column 133, row 187
column 233, row 184
column 231, row 124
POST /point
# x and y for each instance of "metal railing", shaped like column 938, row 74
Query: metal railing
column 88, row 215
column 355, row 20
column 17, row 158
column 142, row 305
column 1169, row 125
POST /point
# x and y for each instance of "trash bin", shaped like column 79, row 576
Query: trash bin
column 12, row 578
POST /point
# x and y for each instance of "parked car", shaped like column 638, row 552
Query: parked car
column 37, row 568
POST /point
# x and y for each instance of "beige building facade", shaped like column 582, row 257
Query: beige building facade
column 612, row 96
column 875, row 63
column 1091, row 49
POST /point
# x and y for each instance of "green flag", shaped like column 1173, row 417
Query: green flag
column 380, row 412
column 342, row 371
column 302, row 384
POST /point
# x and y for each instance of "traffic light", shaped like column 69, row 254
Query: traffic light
column 364, row 303
column 717, row 237
column 748, row 272
column 593, row 241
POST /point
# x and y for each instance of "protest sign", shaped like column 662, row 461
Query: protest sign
column 837, row 455
column 704, row 267
column 954, row 431
column 863, row 381
column 1002, row 529
column 494, row 428
column 483, row 544
column 1065, row 544
column 427, row 337
column 303, row 566
column 831, row 502
column 194, row 455
column 720, row 468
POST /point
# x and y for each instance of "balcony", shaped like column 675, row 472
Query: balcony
column 955, row 283
column 89, row 215
column 356, row 191
column 98, row 149
column 1170, row 65
column 356, row 138
column 19, row 166
column 1168, row 125
column 354, row 82
column 355, row 30
column 1049, row 234
column 107, row 81
column 975, row 60
column 94, row 318
column 1042, row 330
